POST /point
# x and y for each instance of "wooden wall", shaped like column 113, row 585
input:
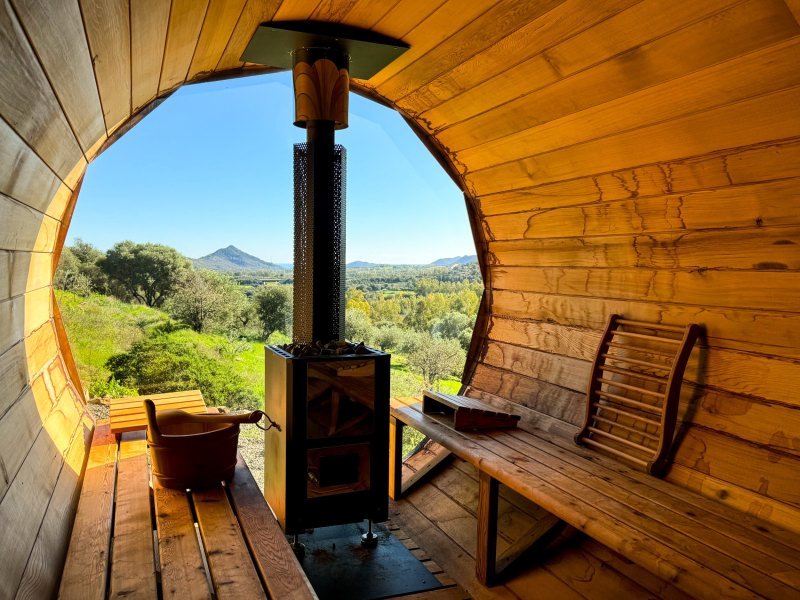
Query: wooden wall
column 629, row 156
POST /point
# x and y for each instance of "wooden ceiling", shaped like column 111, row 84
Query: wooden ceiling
column 632, row 156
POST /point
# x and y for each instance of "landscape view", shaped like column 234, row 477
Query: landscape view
column 144, row 319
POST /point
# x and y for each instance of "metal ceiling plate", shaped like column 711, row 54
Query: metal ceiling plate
column 273, row 43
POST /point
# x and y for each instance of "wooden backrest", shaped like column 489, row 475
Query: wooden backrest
column 634, row 390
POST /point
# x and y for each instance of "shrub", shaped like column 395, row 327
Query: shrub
column 166, row 364
column 110, row 389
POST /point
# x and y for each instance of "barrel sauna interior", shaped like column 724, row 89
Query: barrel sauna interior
column 620, row 156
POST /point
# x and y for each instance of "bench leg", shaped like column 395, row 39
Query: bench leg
column 395, row 458
column 486, row 552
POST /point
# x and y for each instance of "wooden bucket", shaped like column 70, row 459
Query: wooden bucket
column 193, row 451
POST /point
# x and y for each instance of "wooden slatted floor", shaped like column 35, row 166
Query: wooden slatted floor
column 440, row 517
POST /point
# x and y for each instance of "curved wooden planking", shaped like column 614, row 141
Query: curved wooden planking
column 619, row 157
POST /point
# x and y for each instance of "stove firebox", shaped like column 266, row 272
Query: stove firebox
column 327, row 465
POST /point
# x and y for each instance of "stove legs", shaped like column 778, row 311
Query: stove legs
column 369, row 539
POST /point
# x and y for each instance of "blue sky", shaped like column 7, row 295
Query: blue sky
column 212, row 166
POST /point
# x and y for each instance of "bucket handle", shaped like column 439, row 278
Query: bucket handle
column 251, row 417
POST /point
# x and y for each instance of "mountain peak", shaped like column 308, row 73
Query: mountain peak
column 231, row 258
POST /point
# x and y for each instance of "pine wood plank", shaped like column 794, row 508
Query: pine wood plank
column 14, row 376
column 486, row 546
column 464, row 488
column 756, row 73
column 765, row 290
column 763, row 248
column 86, row 567
column 272, row 555
column 703, row 532
column 725, row 529
column 403, row 17
column 185, row 23
column 773, row 539
column 127, row 414
column 549, row 401
column 12, row 315
column 24, row 175
column 218, row 25
column 149, row 22
column 442, row 23
column 458, row 561
column 591, row 578
column 27, row 102
column 182, row 571
column 766, row 204
column 473, row 38
column 296, row 10
column 108, row 29
column 254, row 13
column 24, row 506
column 766, row 162
column 725, row 328
column 730, row 495
column 794, row 6
column 232, row 570
column 19, row 427
column 27, row 228
column 417, row 466
column 73, row 79
column 627, row 53
column 23, row 272
column 43, row 570
column 752, row 121
column 132, row 569
column 752, row 374
column 562, row 21
column 655, row 586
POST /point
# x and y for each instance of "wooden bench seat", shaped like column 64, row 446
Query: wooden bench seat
column 128, row 414
column 702, row 547
column 136, row 540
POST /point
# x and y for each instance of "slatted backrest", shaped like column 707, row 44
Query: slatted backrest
column 634, row 390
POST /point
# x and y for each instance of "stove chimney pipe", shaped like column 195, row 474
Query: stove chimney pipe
column 321, row 87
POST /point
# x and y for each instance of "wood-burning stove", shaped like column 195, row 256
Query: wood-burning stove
column 328, row 463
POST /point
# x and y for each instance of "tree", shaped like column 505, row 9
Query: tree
column 455, row 326
column 387, row 337
column 435, row 358
column 89, row 259
column 206, row 300
column 148, row 272
column 357, row 326
column 68, row 275
column 273, row 303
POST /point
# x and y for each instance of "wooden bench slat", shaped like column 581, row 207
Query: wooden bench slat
column 232, row 570
column 712, row 543
column 183, row 574
column 653, row 555
column 156, row 398
column 677, row 532
column 135, row 410
column 768, row 537
column 128, row 414
column 85, row 571
column 133, row 572
column 273, row 557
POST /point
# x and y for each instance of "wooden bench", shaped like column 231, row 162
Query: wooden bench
column 135, row 539
column 127, row 414
column 702, row 547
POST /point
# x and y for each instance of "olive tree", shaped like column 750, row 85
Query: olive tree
column 149, row 273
